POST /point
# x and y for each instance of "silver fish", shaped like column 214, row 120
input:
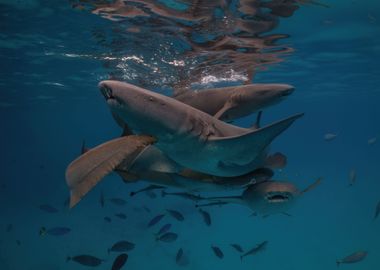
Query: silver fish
column 206, row 217
column 255, row 250
column 168, row 237
column 177, row 215
column 353, row 258
column 121, row 246
column 86, row 260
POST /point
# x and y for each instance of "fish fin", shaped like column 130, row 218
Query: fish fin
column 256, row 125
column 126, row 131
column 255, row 140
column 87, row 170
column 276, row 161
column 84, row 149
column 312, row 185
column 227, row 106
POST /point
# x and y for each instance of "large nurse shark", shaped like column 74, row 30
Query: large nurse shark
column 230, row 103
column 194, row 139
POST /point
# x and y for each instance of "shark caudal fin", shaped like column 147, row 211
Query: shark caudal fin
column 88, row 169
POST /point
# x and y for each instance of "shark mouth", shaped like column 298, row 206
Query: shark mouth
column 107, row 92
column 278, row 197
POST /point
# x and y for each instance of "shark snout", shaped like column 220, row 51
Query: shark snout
column 106, row 91
column 287, row 92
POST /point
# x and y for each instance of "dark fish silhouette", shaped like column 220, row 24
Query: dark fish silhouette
column 155, row 220
column 164, row 229
column 121, row 216
column 150, row 187
column 237, row 247
column 107, row 219
column 101, row 199
column 206, row 217
column 122, row 246
column 184, row 195
column 119, row 262
column 256, row 249
column 218, row 253
column 179, row 255
column 353, row 258
column 177, row 215
column 48, row 208
column 377, row 211
column 118, row 201
column 86, row 260
column 211, row 204
column 168, row 237
column 56, row 231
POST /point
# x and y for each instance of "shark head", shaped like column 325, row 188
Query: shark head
column 254, row 97
column 265, row 95
column 270, row 197
column 135, row 105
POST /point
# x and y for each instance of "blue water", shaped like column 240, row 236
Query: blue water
column 49, row 102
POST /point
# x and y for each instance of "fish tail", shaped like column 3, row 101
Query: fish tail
column 68, row 258
column 241, row 258
column 337, row 263
column 132, row 193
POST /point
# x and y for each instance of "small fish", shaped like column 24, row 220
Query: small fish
column 177, row 215
column 164, row 229
column 211, row 204
column 121, row 216
column 56, row 231
column 107, row 219
column 206, row 217
column 151, row 194
column 184, row 195
column 330, row 136
column 155, row 220
column 260, row 247
column 119, row 262
column 372, row 141
column 101, row 199
column 179, row 255
column 118, row 201
column 353, row 258
column 48, row 208
column 86, row 260
column 218, row 253
column 352, row 177
column 168, row 237
column 121, row 246
column 150, row 187
column 237, row 247
column 377, row 211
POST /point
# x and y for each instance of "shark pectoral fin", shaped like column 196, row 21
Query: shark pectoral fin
column 312, row 186
column 87, row 170
column 230, row 103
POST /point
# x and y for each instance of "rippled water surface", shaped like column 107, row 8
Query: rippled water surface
column 53, row 55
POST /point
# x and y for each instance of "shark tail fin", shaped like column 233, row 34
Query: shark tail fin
column 88, row 169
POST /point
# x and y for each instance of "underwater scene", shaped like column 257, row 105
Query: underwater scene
column 189, row 134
